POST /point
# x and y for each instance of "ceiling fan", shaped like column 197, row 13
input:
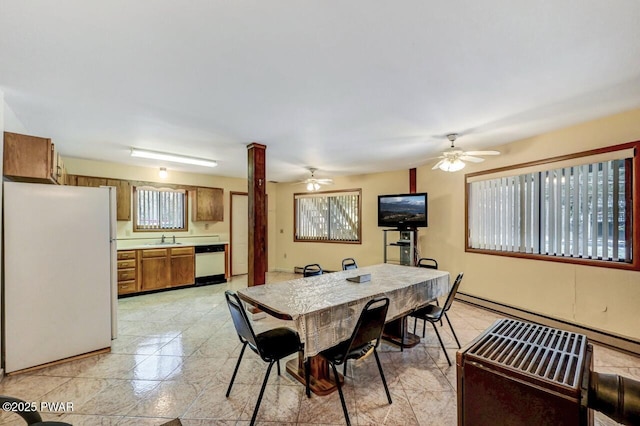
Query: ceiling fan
column 313, row 183
column 453, row 158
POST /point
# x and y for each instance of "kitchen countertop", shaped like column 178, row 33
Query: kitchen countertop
column 141, row 246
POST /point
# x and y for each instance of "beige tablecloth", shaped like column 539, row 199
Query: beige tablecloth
column 324, row 309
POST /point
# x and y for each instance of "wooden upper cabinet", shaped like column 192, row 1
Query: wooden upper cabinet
column 123, row 198
column 29, row 158
column 91, row 181
column 60, row 170
column 207, row 205
column 123, row 191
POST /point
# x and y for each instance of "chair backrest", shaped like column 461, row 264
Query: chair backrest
column 370, row 324
column 452, row 293
column 312, row 270
column 241, row 320
column 427, row 262
column 349, row 263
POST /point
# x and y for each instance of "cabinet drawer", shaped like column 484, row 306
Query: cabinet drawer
column 181, row 251
column 127, row 287
column 154, row 253
column 127, row 263
column 126, row 274
column 126, row 254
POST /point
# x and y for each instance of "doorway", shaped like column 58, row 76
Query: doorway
column 239, row 233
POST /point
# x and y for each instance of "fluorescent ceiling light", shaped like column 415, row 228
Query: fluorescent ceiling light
column 155, row 155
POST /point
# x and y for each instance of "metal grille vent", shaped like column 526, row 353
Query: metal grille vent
column 545, row 353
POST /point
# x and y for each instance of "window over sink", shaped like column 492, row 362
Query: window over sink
column 159, row 209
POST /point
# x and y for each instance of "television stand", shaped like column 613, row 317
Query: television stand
column 406, row 243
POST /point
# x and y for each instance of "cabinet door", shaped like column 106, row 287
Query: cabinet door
column 28, row 158
column 154, row 272
column 183, row 270
column 123, row 198
column 91, row 181
column 208, row 205
column 71, row 180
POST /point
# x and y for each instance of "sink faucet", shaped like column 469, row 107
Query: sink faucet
column 174, row 239
column 162, row 240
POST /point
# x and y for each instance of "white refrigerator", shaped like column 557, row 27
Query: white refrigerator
column 60, row 294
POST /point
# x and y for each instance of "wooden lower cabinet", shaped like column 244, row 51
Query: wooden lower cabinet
column 183, row 266
column 162, row 268
column 154, row 269
column 127, row 272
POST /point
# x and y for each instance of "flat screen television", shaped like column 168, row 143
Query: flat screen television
column 403, row 211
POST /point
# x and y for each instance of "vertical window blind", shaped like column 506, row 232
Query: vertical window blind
column 580, row 211
column 328, row 217
column 159, row 209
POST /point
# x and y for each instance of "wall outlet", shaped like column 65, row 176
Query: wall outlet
column 206, row 226
column 285, row 255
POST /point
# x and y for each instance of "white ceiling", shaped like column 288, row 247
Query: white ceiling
column 348, row 86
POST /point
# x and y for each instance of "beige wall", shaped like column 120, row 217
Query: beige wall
column 196, row 229
column 599, row 298
column 290, row 254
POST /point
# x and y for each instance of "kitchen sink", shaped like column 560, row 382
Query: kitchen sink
column 166, row 243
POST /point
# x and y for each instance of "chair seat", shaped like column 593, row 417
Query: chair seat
column 429, row 313
column 278, row 342
column 336, row 353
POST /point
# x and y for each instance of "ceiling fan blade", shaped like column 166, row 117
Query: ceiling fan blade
column 482, row 152
column 437, row 164
column 472, row 159
column 324, row 181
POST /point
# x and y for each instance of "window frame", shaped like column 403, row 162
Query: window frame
column 634, row 191
column 325, row 193
column 135, row 210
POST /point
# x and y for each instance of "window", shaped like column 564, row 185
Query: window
column 327, row 216
column 576, row 209
column 160, row 209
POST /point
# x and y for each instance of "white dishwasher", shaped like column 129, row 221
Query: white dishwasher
column 210, row 264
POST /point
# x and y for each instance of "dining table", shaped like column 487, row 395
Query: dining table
column 324, row 309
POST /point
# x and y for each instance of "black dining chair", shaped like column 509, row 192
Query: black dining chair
column 349, row 263
column 365, row 339
column 271, row 345
column 22, row 408
column 434, row 313
column 312, row 270
column 429, row 263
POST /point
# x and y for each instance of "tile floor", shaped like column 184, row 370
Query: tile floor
column 176, row 351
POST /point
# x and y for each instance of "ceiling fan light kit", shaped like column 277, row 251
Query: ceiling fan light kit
column 175, row 158
column 451, row 165
column 313, row 183
column 313, row 186
column 453, row 159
